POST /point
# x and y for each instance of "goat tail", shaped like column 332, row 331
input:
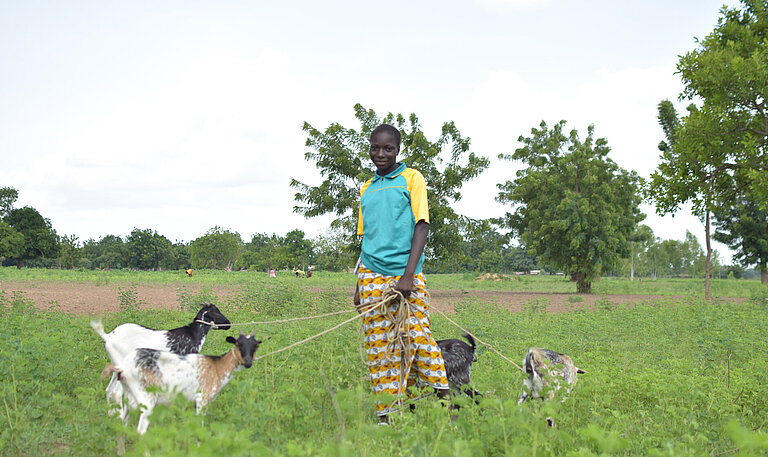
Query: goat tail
column 471, row 341
column 108, row 370
column 98, row 327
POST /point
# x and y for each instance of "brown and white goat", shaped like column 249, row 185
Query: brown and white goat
column 197, row 377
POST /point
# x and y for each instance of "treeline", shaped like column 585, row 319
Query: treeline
column 484, row 248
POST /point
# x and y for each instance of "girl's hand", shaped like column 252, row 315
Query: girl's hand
column 405, row 285
column 356, row 299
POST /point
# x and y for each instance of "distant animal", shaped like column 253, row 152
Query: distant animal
column 547, row 368
column 188, row 339
column 459, row 357
column 197, row 377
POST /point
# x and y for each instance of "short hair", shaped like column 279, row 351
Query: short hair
column 387, row 128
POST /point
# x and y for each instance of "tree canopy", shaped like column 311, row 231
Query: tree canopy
column 574, row 207
column 217, row 249
column 341, row 154
column 39, row 237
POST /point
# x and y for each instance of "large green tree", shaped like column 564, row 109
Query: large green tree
column 743, row 227
column 108, row 252
column 574, row 207
column 341, row 154
column 40, row 239
column 217, row 249
column 148, row 250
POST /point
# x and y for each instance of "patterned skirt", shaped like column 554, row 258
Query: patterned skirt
column 421, row 363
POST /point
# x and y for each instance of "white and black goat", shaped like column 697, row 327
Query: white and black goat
column 197, row 377
column 547, row 369
column 188, row 339
column 459, row 357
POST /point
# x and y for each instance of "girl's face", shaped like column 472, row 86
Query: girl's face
column 383, row 152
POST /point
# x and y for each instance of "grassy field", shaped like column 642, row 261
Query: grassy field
column 677, row 377
column 464, row 281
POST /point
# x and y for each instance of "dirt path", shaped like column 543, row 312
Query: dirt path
column 82, row 298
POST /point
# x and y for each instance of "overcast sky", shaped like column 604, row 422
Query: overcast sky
column 182, row 115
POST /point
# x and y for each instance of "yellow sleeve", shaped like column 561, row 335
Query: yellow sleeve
column 359, row 219
column 360, row 208
column 417, row 186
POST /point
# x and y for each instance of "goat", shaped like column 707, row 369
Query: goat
column 459, row 357
column 184, row 340
column 197, row 377
column 546, row 368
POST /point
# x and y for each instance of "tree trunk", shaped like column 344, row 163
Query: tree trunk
column 764, row 275
column 709, row 259
column 582, row 285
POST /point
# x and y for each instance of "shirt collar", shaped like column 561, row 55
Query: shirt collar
column 396, row 172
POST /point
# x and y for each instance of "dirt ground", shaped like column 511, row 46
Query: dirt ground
column 86, row 299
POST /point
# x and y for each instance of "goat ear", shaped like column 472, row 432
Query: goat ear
column 258, row 341
column 580, row 371
column 231, row 340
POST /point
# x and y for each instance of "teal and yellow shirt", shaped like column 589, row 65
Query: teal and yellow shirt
column 390, row 207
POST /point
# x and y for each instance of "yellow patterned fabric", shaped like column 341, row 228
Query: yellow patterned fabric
column 422, row 364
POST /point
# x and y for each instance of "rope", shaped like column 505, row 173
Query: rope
column 479, row 340
column 282, row 321
column 363, row 310
column 399, row 337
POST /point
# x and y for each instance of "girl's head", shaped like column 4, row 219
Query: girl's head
column 385, row 145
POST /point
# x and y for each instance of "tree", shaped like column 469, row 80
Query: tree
column 69, row 253
column 217, row 249
column 298, row 248
column 638, row 242
column 108, row 252
column 40, row 240
column 147, row 250
column 743, row 227
column 332, row 252
column 723, row 144
column 341, row 154
column 576, row 208
column 692, row 168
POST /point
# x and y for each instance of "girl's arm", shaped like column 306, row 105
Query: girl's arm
column 405, row 285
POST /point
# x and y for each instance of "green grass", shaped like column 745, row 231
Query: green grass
column 331, row 280
column 677, row 377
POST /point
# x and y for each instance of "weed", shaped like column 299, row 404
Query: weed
column 191, row 301
column 604, row 304
column 128, row 299
column 537, row 305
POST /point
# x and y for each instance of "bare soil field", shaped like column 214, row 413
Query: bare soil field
column 87, row 299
